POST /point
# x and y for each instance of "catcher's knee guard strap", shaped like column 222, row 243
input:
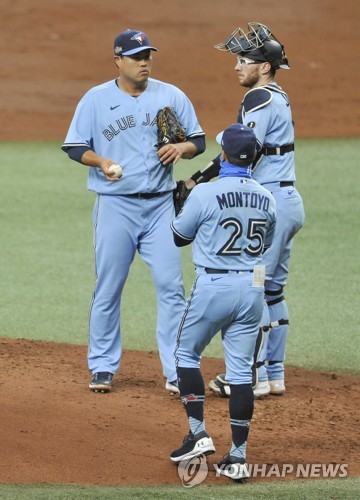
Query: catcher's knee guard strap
column 275, row 301
column 274, row 292
column 274, row 296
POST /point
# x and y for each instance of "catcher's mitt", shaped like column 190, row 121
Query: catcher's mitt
column 181, row 192
column 170, row 130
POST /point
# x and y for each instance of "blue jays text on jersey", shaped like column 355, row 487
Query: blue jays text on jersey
column 125, row 122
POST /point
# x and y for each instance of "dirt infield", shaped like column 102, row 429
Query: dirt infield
column 57, row 431
column 54, row 430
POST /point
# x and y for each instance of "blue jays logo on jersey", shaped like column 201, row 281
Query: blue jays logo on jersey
column 125, row 122
column 139, row 37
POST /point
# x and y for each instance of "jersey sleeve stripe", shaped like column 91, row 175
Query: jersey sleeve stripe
column 180, row 235
column 196, row 134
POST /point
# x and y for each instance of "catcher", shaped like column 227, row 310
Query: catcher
column 266, row 109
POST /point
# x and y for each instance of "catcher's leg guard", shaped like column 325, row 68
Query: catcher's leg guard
column 261, row 386
column 279, row 320
column 259, row 355
column 262, row 356
column 261, row 347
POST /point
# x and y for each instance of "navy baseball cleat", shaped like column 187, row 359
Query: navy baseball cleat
column 194, row 446
column 172, row 387
column 101, row 382
column 233, row 467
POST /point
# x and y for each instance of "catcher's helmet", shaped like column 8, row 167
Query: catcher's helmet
column 258, row 44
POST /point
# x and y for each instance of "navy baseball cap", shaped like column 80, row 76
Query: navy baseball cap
column 130, row 42
column 239, row 142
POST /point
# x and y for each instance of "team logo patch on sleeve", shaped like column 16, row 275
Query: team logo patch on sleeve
column 251, row 124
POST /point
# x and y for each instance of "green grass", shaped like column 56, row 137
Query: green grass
column 46, row 244
column 46, row 261
column 47, row 278
column 323, row 286
column 334, row 489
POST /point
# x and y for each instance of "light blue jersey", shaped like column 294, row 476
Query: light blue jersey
column 229, row 222
column 133, row 214
column 119, row 126
column 230, row 218
column 267, row 111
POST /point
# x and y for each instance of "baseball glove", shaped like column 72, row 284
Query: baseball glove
column 181, row 192
column 170, row 130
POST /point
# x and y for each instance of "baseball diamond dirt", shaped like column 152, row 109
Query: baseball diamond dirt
column 54, row 429
column 57, row 431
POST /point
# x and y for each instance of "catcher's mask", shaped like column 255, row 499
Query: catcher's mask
column 258, row 44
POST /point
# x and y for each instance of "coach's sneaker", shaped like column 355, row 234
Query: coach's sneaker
column 233, row 467
column 194, row 446
column 262, row 389
column 277, row 387
column 172, row 387
column 101, row 382
column 220, row 385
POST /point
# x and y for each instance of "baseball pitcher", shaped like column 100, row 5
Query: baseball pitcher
column 115, row 132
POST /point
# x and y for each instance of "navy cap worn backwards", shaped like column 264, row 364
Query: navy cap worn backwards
column 239, row 142
column 130, row 42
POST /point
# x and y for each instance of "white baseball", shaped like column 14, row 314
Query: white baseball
column 116, row 169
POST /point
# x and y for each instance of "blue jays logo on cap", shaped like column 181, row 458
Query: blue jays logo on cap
column 130, row 42
column 139, row 37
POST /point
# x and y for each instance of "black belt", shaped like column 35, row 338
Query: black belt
column 146, row 196
column 209, row 270
column 279, row 150
column 285, row 184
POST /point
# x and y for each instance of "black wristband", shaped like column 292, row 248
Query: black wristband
column 196, row 176
column 211, row 170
